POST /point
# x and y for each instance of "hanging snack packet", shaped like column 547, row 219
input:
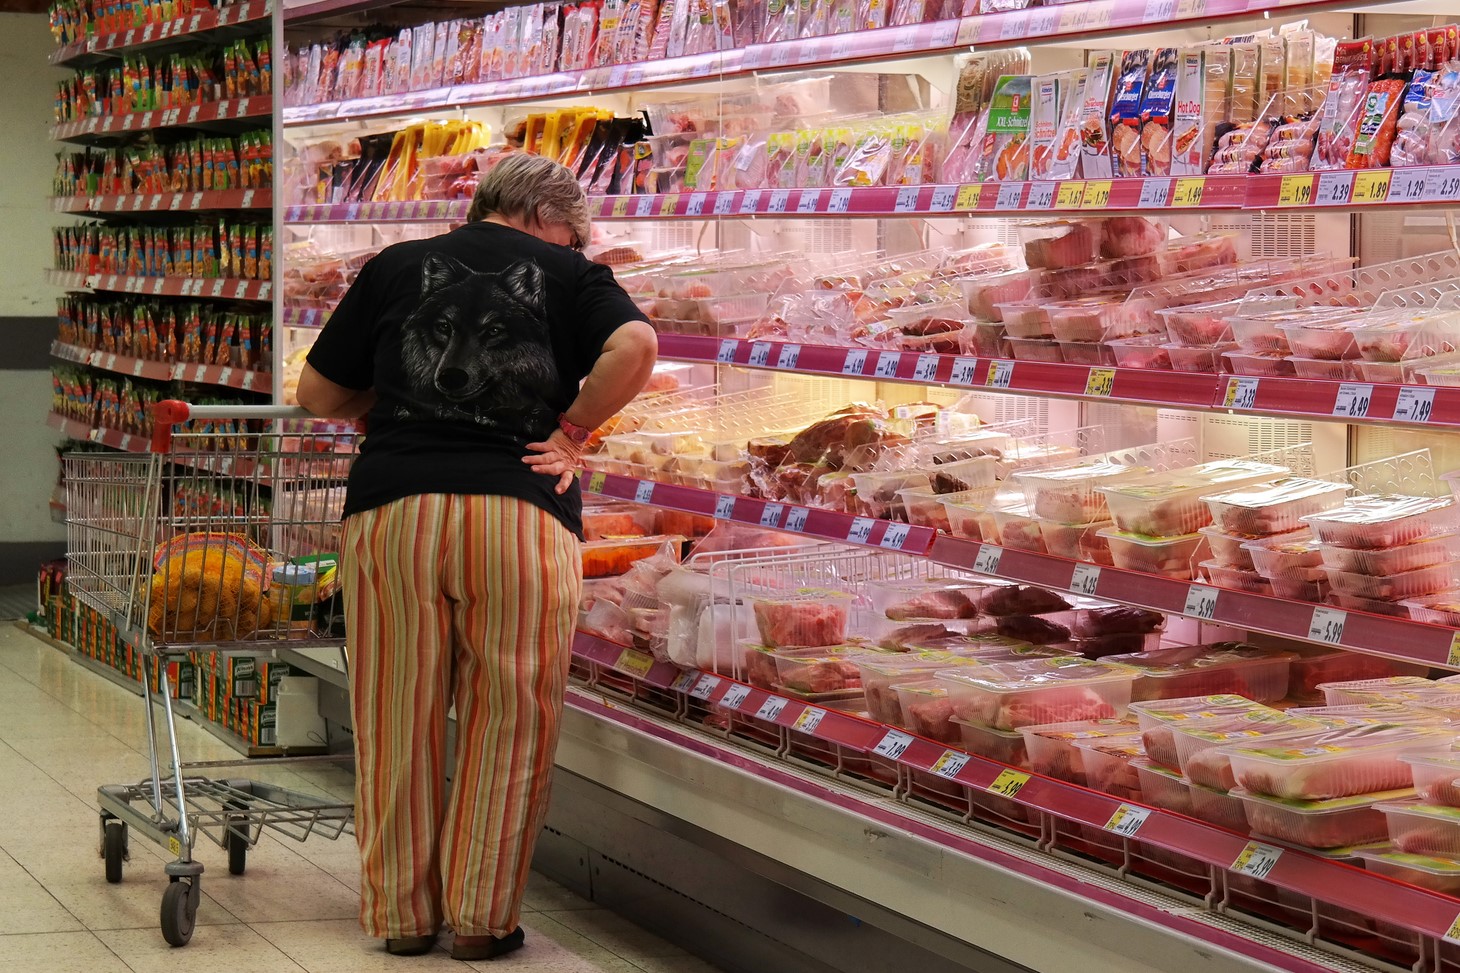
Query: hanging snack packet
column 1158, row 114
column 1347, row 89
column 1125, row 113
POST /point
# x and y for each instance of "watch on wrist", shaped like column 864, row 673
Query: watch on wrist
column 578, row 434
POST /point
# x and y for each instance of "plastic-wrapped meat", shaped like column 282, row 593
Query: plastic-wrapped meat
column 1357, row 775
column 933, row 718
column 1340, row 829
column 1210, row 768
column 802, row 622
column 1160, row 745
column 1442, row 789
column 830, row 440
column 985, row 294
column 1032, row 629
column 1053, row 706
column 1020, row 599
column 1108, row 767
column 1071, row 248
column 1291, row 147
column 1240, row 149
column 1308, row 672
column 933, row 604
column 899, row 639
column 1130, row 236
column 1214, row 251
column 825, row 676
column 1116, row 619
column 760, row 669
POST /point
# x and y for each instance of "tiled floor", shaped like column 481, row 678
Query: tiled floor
column 64, row 730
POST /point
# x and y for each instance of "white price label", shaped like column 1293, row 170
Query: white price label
column 138, row 365
column 1353, row 400
column 1041, row 195
column 963, row 371
column 779, row 199
column 724, row 204
column 1043, row 20
column 644, row 205
column 724, row 507
column 154, row 201
column 1407, row 185
column 644, row 492
column 175, row 203
column 1241, row 393
column 750, row 202
column 1334, row 188
column 111, row 363
column 705, row 686
column 907, row 200
column 1327, row 625
column 856, row 362
column 1012, row 28
column 950, row 764
column 1127, row 820
column 735, row 696
column 1442, row 185
column 796, row 519
column 1414, row 404
column 770, row 515
column 225, row 376
column 895, row 537
column 760, row 354
column 861, row 530
column 1257, row 860
column 943, row 199
column 1085, row 579
column 988, row 558
column 926, row 369
column 1155, row 194
column 240, row 290
column 893, row 745
column 1201, row 602
column 1159, row 11
column 809, row 202
column 887, row 363
column 726, row 354
column 696, row 204
column 1001, row 375
column 841, row 47
column 1011, row 194
column 772, row 708
column 789, row 356
column 158, row 285
column 810, row 719
column 841, row 201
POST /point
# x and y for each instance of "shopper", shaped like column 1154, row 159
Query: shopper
column 460, row 563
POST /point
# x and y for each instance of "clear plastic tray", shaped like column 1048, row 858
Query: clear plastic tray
column 927, row 710
column 1201, row 748
column 1437, row 778
column 1026, row 319
column 1392, row 560
column 1219, row 668
column 1035, row 349
column 1441, row 608
column 1315, row 666
column 1199, row 325
column 1338, row 370
column 963, row 475
column 970, row 515
column 1055, row 244
column 1385, row 689
column 1158, row 717
column 1069, row 494
column 877, row 491
column 1274, row 508
column 1380, row 371
column 1170, row 504
column 1230, row 549
column 925, row 598
column 1424, row 829
column 924, row 508
column 803, row 619
column 1087, row 353
column 1387, row 340
column 1018, row 528
column 1359, row 759
column 1435, row 874
column 1376, row 522
column 1354, row 603
column 1260, row 334
column 1005, row 746
column 1109, row 765
column 1208, row 361
column 1163, row 787
column 1080, row 542
column 818, row 673
column 1396, row 587
column 985, row 293
column 1341, row 823
column 1238, row 579
column 878, row 674
column 1322, row 340
column 1141, row 351
column 1219, row 808
column 1293, row 556
column 1171, row 557
column 1028, row 694
column 1270, row 364
column 1098, row 318
column 1298, row 590
column 1051, row 747
column 989, row 339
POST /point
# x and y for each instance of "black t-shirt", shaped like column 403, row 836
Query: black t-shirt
column 475, row 342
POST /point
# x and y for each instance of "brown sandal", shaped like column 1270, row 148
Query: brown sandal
column 487, row 947
column 410, row 945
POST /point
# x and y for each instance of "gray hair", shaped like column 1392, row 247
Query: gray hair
column 524, row 187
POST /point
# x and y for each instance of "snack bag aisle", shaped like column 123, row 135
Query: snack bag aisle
column 1055, row 432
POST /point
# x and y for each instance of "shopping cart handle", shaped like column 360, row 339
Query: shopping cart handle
column 170, row 412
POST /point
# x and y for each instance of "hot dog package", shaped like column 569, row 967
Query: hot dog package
column 1191, row 143
column 1344, row 105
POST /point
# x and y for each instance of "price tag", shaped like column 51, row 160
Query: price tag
column 810, row 719
column 175, row 202
column 644, row 205
column 111, row 363
column 595, row 482
column 1043, row 20
column 781, row 55
column 1296, row 190
column 771, row 709
column 1454, row 656
column 926, row 369
column 726, row 354
column 1241, row 393
column 669, row 204
column 1043, row 195
column 724, row 507
column 1442, row 185
column 735, row 696
column 841, row 201
column 860, row 531
column 1097, row 194
column 1100, row 382
column 887, row 362
column 856, row 362
column 1155, row 193
column 770, row 515
column 696, row 204
column 1011, row 194
column 635, row 662
column 139, row 365
column 1201, row 602
column 796, row 519
column 1159, row 11
column 225, row 376
column 1188, row 192
column 644, row 492
column 944, row 33
column 724, row 204
column 240, row 289
column 760, row 354
column 988, row 558
column 895, row 537
column 1127, row 820
column 1067, row 197
column 963, row 370
column 1353, row 400
column 620, row 206
column 705, row 686
column 1009, row 783
column 1012, row 27
column 779, row 199
column 1257, row 860
column 1085, row 579
column 1334, row 188
column 968, row 196
column 1415, row 404
column 907, row 199
column 1000, row 376
column 809, row 202
column 789, row 356
column 943, row 199
column 950, row 764
column 1327, row 625
column 893, row 745
column 1372, row 186
column 1407, row 185
column 157, row 285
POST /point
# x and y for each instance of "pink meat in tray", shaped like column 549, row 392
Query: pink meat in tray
column 808, row 619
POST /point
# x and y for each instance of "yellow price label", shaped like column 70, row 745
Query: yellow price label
column 1188, row 192
column 1097, row 195
column 1008, row 783
column 1296, row 190
column 634, row 661
column 1233, row 387
column 595, row 482
column 1453, row 933
column 1101, row 381
column 621, row 206
column 174, row 846
column 1455, row 649
column 668, row 206
column 1069, row 195
column 968, row 196
column 1371, row 186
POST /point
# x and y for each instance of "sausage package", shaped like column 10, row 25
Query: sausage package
column 1344, row 105
column 1246, row 69
column 1095, row 158
column 1125, row 113
column 1055, row 127
column 1191, row 144
column 1377, row 122
column 1158, row 110
column 1290, row 147
column 1044, row 125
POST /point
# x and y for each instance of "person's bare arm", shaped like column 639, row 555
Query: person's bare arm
column 620, row 373
column 323, row 398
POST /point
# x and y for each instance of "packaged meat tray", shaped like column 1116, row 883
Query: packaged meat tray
column 1238, row 579
column 1158, row 717
column 989, row 339
column 1315, row 666
column 1392, row 560
column 1199, row 325
column 1354, row 603
column 1424, row 871
column 876, row 491
column 878, row 674
column 1027, row 694
column 818, row 675
column 1441, row 608
column 1035, row 349
column 1141, row 351
column 1219, row 668
column 1163, row 787
column 1018, row 528
column 1294, row 589
column 1098, row 318
column 1395, row 587
column 970, row 515
column 1170, row 505
column 1104, row 620
column 1119, row 643
column 1339, row 823
column 1323, row 340
column 924, row 508
column 1339, row 370
column 1005, row 746
column 1108, row 765
column 1374, row 522
column 1380, row 371
column 1386, row 689
column 809, row 617
column 1273, row 508
column 1056, row 244
column 1264, row 364
column 1025, row 319
column 1210, row 360
column 1171, row 557
column 1260, row 333
column 927, row 710
column 925, row 598
column 1080, row 542
column 985, row 293
column 1295, row 555
column 962, row 475
column 1069, row 494
column 1051, row 747
column 1358, row 759
column 1424, row 829
column 1201, row 747
column 1375, row 713
column 606, row 558
column 614, row 521
column 1219, row 808
column 1020, row 599
column 1231, row 549
column 1437, row 778
column 1086, row 353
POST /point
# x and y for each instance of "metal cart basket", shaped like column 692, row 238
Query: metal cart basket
column 216, row 546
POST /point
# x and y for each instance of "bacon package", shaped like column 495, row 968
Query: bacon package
column 1344, row 106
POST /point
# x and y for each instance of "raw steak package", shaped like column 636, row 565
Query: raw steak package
column 1339, row 823
column 1110, row 765
column 1378, row 522
column 1273, row 508
column 1359, row 759
column 1157, row 717
column 1344, row 105
column 805, row 618
column 1158, row 113
column 1008, row 697
column 1095, row 157
column 1201, row 747
column 1424, row 829
column 1125, row 112
column 1437, row 874
column 1185, row 671
column 1051, row 746
column 1437, row 778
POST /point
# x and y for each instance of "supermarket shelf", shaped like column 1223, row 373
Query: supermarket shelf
column 165, row 202
column 226, row 110
column 224, row 465
column 199, row 22
column 303, row 317
column 234, row 378
column 1395, row 638
column 407, row 211
column 220, row 288
column 298, row 12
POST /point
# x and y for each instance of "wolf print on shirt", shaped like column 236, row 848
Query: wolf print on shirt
column 478, row 348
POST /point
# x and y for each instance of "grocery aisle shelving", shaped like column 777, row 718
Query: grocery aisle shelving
column 223, row 199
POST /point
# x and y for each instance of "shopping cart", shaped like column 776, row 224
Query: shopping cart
column 214, row 546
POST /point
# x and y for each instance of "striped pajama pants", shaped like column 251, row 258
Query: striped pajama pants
column 468, row 600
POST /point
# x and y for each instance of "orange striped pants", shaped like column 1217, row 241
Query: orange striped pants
column 468, row 600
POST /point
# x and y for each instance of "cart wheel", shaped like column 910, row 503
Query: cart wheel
column 237, row 847
column 179, row 910
column 114, row 850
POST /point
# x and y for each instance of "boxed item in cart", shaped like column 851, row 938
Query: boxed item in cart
column 1342, row 822
column 1170, row 504
column 1201, row 747
column 1273, row 508
column 1238, row 579
column 1336, row 762
column 1108, row 765
column 1069, row 494
column 1425, row 871
column 1295, row 555
column 1424, row 829
column 927, row 710
column 1080, row 542
column 1163, row 787
column 1374, row 522
column 1045, row 691
column 808, row 617
column 1316, row 666
column 1051, row 747
column 1217, row 668
column 1172, row 557
column 1392, row 560
column 1395, row 587
column 1005, row 746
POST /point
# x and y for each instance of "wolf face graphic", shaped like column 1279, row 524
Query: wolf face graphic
column 477, row 349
